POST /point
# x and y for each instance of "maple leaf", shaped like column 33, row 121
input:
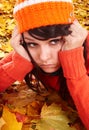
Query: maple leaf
column 52, row 118
column 10, row 121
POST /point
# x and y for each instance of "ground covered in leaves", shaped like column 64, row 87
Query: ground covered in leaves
column 23, row 109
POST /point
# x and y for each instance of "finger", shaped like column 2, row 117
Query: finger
column 15, row 32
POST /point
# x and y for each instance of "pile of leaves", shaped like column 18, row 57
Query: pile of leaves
column 6, row 25
column 82, row 12
column 23, row 109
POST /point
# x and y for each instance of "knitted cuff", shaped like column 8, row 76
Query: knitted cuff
column 73, row 63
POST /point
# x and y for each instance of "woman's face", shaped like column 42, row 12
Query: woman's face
column 45, row 52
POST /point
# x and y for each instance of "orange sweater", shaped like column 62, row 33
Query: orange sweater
column 14, row 67
column 76, row 73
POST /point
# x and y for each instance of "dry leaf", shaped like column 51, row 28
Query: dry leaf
column 2, row 122
column 10, row 121
column 52, row 118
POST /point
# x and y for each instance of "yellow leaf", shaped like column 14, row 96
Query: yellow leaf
column 2, row 122
column 6, row 47
column 2, row 54
column 52, row 118
column 10, row 121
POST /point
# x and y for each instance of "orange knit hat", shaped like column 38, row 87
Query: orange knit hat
column 31, row 14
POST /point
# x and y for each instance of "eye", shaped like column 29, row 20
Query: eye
column 31, row 44
column 56, row 41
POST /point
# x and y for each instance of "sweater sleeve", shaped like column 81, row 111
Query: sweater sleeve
column 74, row 70
column 13, row 67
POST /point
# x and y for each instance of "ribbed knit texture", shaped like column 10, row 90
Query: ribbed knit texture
column 22, row 68
column 29, row 16
column 73, row 63
column 74, row 69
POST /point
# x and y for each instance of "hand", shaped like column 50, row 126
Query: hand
column 76, row 38
column 16, row 44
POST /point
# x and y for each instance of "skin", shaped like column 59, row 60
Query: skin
column 76, row 38
column 45, row 53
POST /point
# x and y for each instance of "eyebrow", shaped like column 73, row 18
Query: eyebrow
column 50, row 39
column 26, row 38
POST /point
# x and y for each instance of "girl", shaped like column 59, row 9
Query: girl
column 53, row 46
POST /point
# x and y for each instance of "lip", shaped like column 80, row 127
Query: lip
column 47, row 66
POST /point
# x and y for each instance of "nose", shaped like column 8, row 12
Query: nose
column 45, row 54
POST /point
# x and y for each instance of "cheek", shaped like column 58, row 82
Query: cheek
column 60, row 46
column 55, row 54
